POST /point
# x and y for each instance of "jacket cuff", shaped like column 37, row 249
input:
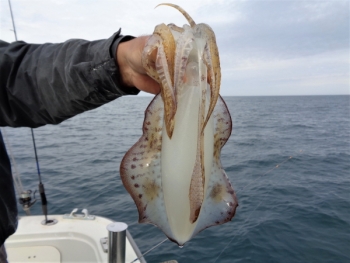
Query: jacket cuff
column 113, row 52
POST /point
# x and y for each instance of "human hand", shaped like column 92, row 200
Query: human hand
column 133, row 74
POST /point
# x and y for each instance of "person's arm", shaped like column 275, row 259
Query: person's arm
column 48, row 83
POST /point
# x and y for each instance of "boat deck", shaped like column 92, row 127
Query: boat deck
column 70, row 240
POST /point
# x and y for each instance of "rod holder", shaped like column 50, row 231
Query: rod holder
column 116, row 242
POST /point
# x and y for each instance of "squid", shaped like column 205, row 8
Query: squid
column 173, row 172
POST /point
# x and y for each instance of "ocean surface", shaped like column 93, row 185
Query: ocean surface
column 290, row 209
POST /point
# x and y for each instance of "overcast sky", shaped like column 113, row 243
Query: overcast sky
column 266, row 47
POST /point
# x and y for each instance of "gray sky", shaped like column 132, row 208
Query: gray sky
column 266, row 47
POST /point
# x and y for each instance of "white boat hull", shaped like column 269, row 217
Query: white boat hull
column 70, row 240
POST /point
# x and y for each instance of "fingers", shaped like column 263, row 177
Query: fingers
column 130, row 67
column 147, row 84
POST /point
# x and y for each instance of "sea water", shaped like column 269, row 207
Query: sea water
column 296, row 212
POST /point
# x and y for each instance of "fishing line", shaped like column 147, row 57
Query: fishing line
column 245, row 221
column 15, row 174
column 149, row 250
column 275, row 167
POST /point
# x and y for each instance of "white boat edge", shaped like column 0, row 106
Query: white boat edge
column 70, row 240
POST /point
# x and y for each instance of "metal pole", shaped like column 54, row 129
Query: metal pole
column 116, row 242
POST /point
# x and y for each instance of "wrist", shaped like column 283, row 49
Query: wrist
column 119, row 56
column 123, row 64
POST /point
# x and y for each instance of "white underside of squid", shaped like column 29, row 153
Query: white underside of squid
column 157, row 171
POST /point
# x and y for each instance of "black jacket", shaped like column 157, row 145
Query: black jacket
column 47, row 84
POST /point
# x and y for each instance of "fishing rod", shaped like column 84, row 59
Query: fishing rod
column 41, row 186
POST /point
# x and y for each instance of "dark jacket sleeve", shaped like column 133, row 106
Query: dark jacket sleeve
column 48, row 83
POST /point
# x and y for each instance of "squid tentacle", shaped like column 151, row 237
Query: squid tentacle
column 167, row 90
column 212, row 60
column 182, row 11
column 183, row 49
